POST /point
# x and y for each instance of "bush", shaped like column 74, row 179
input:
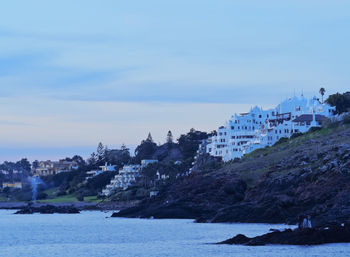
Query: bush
column 61, row 193
column 314, row 129
column 80, row 198
column 42, row 195
column 346, row 119
column 296, row 134
column 330, row 123
column 282, row 140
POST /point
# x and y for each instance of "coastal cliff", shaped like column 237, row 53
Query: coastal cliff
column 306, row 174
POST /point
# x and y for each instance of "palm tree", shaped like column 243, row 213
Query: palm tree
column 322, row 91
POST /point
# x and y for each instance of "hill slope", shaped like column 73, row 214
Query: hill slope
column 309, row 174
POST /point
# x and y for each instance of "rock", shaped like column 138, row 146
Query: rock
column 326, row 159
column 323, row 169
column 48, row 209
column 314, row 236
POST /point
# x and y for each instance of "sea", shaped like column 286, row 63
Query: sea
column 94, row 233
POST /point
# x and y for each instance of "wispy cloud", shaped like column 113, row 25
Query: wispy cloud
column 109, row 72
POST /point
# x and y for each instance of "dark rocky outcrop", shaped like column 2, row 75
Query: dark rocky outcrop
column 48, row 209
column 312, row 236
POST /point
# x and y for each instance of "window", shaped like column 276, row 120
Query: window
column 232, row 127
column 260, row 116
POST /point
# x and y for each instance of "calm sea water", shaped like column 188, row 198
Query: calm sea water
column 92, row 234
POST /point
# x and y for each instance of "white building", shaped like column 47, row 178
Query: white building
column 104, row 168
column 127, row 175
column 258, row 128
column 144, row 163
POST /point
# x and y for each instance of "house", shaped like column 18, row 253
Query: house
column 104, row 168
column 48, row 167
column 144, row 163
column 17, row 185
column 246, row 132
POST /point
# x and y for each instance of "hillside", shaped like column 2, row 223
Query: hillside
column 309, row 174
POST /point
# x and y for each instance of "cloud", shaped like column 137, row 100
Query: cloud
column 73, row 73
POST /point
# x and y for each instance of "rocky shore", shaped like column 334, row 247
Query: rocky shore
column 336, row 233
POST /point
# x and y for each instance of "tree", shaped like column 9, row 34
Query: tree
column 79, row 160
column 101, row 153
column 322, row 91
column 35, row 164
column 23, row 165
column 169, row 137
column 189, row 142
column 340, row 101
column 125, row 154
column 149, row 137
column 93, row 159
column 146, row 149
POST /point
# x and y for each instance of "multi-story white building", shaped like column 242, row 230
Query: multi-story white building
column 127, row 176
column 258, row 128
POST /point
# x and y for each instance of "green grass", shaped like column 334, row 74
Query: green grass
column 51, row 192
column 70, row 198
column 3, row 199
column 61, row 199
column 92, row 199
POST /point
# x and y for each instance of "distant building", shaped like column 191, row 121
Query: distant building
column 17, row 185
column 126, row 177
column 246, row 132
column 153, row 193
column 144, row 163
column 104, row 168
column 47, row 168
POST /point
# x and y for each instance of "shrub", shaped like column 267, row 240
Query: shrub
column 282, row 140
column 314, row 129
column 80, row 198
column 60, row 193
column 346, row 119
column 42, row 195
column 296, row 134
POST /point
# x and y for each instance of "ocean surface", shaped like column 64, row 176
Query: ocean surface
column 92, row 233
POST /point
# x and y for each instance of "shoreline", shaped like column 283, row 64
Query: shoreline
column 102, row 206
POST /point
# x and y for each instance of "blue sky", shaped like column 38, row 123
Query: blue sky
column 73, row 73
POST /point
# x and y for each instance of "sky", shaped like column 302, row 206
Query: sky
column 75, row 73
